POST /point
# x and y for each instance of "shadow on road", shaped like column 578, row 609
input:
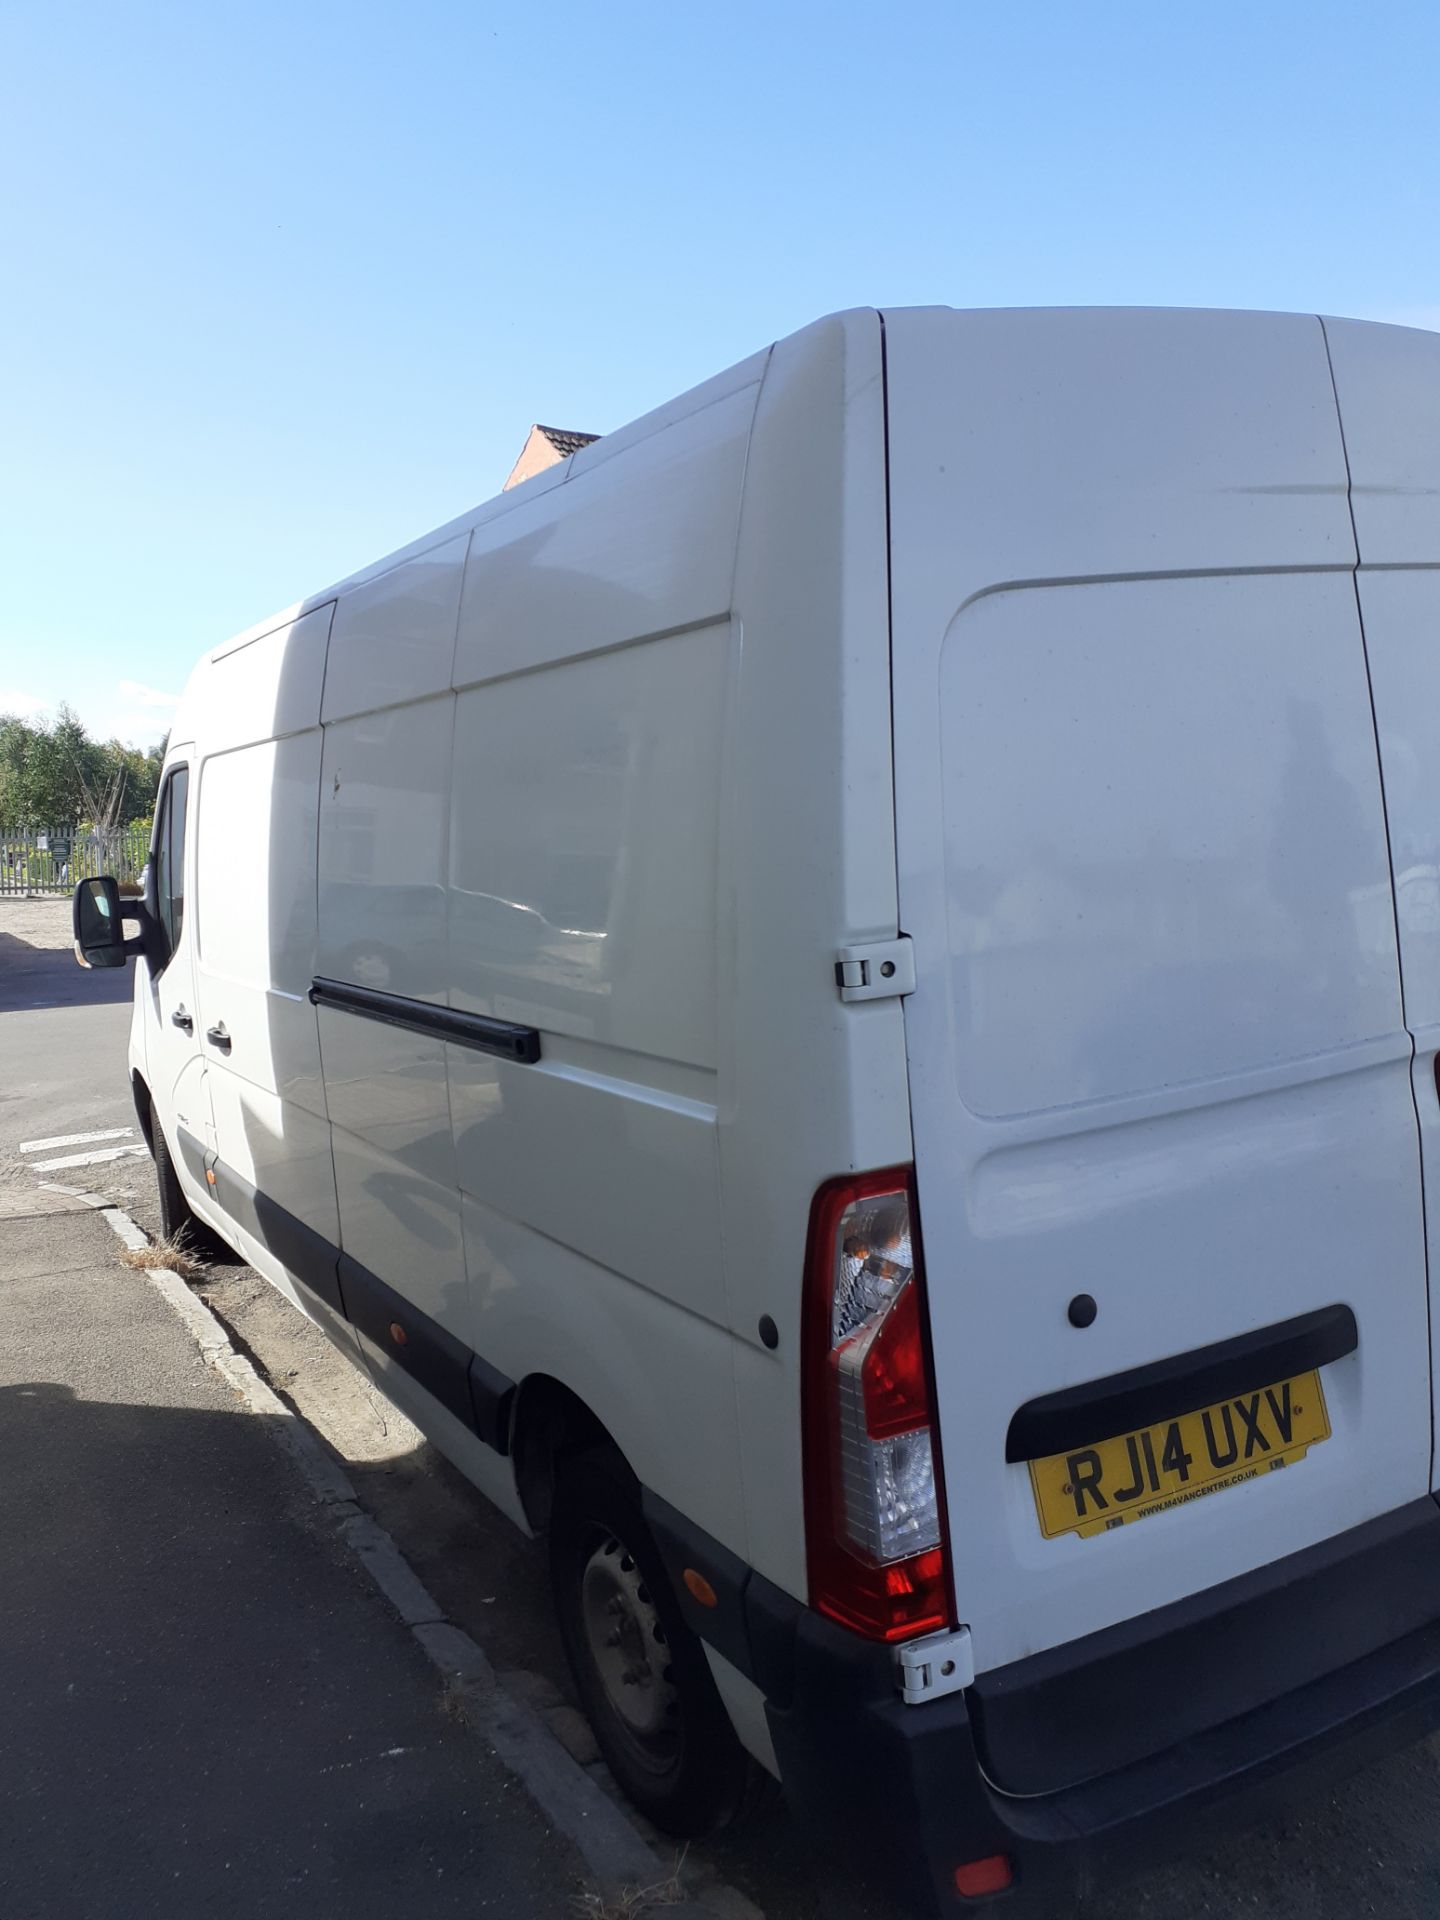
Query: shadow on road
column 206, row 1711
column 32, row 977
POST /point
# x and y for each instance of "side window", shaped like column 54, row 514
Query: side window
column 169, row 855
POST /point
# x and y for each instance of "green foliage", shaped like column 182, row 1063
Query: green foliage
column 55, row 774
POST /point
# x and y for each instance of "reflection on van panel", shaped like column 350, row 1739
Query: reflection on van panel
column 1185, row 878
column 590, row 792
column 859, row 950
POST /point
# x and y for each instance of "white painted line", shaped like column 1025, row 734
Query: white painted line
column 76, row 1139
column 89, row 1159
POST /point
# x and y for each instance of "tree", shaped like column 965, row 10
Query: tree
column 59, row 759
column 56, row 775
column 14, row 751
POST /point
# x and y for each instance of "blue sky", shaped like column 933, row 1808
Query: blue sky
column 283, row 285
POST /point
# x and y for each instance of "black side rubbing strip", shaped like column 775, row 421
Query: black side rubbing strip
column 464, row 1384
column 460, row 1380
column 682, row 1544
column 1079, row 1416
column 492, row 1400
column 192, row 1153
column 754, row 1625
column 476, row 1030
column 303, row 1252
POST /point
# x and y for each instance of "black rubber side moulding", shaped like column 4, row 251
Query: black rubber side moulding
column 477, row 1031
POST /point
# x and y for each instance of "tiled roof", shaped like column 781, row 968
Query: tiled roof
column 565, row 443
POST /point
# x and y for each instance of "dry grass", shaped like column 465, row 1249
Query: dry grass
column 633, row 1903
column 455, row 1696
column 173, row 1254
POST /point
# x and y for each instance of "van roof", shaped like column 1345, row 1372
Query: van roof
column 589, row 450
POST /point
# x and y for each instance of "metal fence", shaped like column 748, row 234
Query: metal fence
column 52, row 859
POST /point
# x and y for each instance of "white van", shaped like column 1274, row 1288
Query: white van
column 960, row 777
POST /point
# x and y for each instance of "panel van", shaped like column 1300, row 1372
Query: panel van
column 839, row 997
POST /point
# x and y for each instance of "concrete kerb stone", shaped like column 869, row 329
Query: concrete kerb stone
column 612, row 1848
column 462, row 1660
column 391, row 1571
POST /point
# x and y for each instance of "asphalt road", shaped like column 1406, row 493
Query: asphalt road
column 207, row 1710
column 59, row 1061
column 1372, row 1846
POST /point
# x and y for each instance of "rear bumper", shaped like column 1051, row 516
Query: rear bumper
column 1254, row 1695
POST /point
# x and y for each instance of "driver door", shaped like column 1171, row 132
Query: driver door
column 173, row 1059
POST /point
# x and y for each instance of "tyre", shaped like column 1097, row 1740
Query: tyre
column 177, row 1222
column 640, row 1671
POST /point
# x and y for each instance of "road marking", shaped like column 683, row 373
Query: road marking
column 76, row 1139
column 89, row 1159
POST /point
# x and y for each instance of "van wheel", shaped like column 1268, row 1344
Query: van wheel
column 177, row 1222
column 641, row 1672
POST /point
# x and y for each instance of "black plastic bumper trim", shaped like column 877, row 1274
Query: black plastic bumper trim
column 492, row 1403
column 754, row 1623
column 193, row 1154
column 1122, row 1402
column 1131, row 1692
column 304, row 1253
column 927, row 1769
column 466, row 1386
column 475, row 1030
column 462, row 1381
column 684, row 1545
column 772, row 1621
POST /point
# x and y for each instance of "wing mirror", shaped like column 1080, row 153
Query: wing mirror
column 99, row 935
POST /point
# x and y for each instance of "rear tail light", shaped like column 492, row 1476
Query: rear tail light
column 874, row 1536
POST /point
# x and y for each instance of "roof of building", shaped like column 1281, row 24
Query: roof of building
column 564, row 442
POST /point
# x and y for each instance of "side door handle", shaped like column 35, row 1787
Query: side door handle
column 218, row 1037
column 180, row 1018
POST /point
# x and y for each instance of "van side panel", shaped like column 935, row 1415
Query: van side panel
column 583, row 903
column 259, row 735
column 585, row 820
column 640, row 544
column 384, row 840
column 383, row 924
column 265, row 684
column 593, row 656
column 394, row 634
column 256, row 919
column 809, row 1086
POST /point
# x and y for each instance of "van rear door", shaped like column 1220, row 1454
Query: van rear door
column 1387, row 381
column 1157, row 1055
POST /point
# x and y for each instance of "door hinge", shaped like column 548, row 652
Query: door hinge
column 879, row 970
column 941, row 1663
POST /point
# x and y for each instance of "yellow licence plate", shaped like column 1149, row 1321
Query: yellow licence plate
column 1092, row 1489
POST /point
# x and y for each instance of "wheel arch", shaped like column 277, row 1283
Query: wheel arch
column 144, row 1110
column 549, row 1423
